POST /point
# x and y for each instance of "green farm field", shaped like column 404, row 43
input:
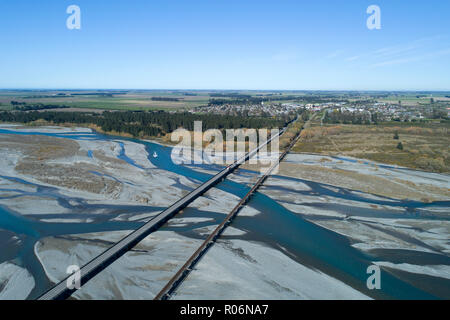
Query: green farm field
column 106, row 100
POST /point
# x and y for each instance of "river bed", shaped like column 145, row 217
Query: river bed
column 68, row 194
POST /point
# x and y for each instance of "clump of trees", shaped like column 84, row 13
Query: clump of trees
column 17, row 103
column 439, row 114
column 35, row 107
column 230, row 95
column 347, row 117
column 240, row 99
column 432, row 164
column 165, row 99
column 396, row 136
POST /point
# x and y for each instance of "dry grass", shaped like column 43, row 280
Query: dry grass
column 290, row 134
column 424, row 148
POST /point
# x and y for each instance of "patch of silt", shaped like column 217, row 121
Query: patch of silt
column 38, row 152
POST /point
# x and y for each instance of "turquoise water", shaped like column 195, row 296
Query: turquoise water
column 302, row 240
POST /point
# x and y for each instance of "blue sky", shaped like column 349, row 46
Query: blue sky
column 225, row 44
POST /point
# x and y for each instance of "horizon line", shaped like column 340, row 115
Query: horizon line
column 212, row 89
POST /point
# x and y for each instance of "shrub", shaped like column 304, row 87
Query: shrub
column 431, row 164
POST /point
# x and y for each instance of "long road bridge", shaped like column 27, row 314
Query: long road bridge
column 98, row 264
column 171, row 286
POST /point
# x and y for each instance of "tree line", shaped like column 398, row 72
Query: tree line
column 248, row 100
column 347, row 117
column 39, row 106
column 164, row 99
column 142, row 124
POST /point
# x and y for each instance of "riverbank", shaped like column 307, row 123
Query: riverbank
column 297, row 228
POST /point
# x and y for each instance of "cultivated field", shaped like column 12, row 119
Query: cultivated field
column 108, row 99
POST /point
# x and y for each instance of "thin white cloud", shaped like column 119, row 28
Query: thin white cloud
column 334, row 54
column 396, row 61
column 284, row 56
column 404, row 48
column 353, row 58
column 395, row 51
column 413, row 51
column 427, row 56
